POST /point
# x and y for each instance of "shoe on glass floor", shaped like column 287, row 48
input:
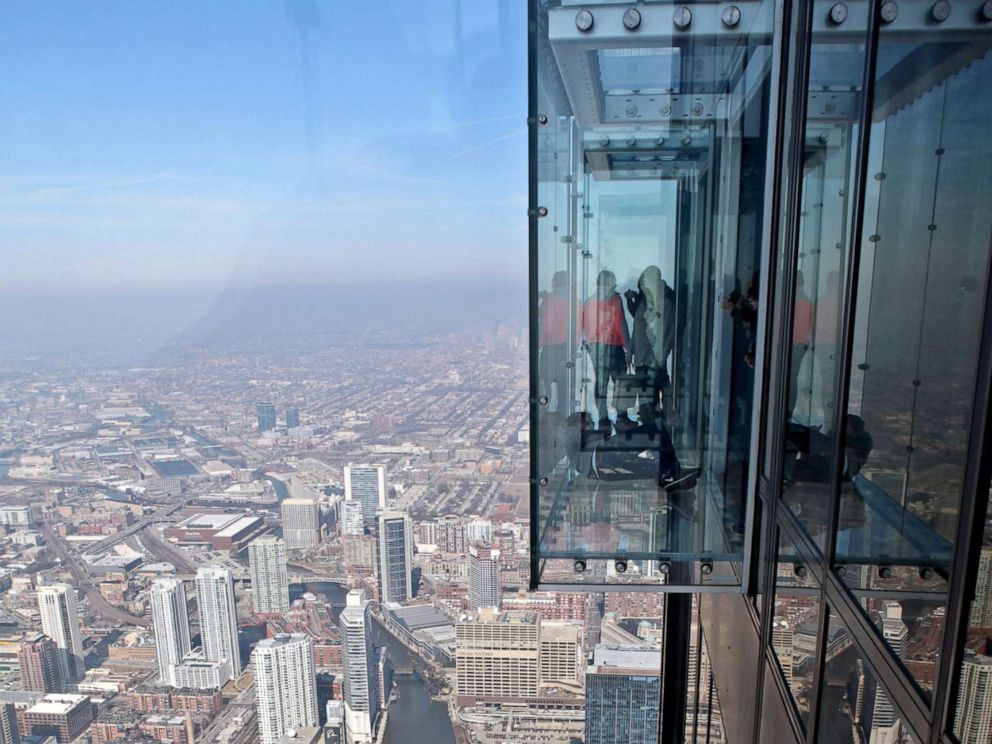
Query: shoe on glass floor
column 679, row 480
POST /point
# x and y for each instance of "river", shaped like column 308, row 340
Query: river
column 414, row 716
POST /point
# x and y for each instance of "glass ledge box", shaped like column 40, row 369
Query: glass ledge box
column 707, row 326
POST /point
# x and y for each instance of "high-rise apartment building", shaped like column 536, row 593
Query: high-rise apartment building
column 170, row 620
column 300, row 523
column 981, row 607
column 366, row 484
column 360, row 699
column 483, row 577
column 266, row 414
column 218, row 616
column 973, row 721
column 9, row 733
column 60, row 622
column 40, row 664
column 395, row 536
column 497, row 656
column 285, row 685
column 269, row 576
column 351, row 519
column 623, row 687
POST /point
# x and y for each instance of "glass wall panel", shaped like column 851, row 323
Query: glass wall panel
column 854, row 707
column 795, row 626
column 651, row 169
column 832, row 123
column 917, row 326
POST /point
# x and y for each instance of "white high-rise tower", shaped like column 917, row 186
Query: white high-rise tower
column 395, row 534
column 60, row 622
column 171, row 624
column 360, row 699
column 483, row 577
column 218, row 616
column 269, row 576
column 367, row 485
column 285, row 685
column 973, row 720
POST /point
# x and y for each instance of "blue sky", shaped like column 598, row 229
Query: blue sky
column 155, row 144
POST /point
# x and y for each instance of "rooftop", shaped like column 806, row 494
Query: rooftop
column 58, row 705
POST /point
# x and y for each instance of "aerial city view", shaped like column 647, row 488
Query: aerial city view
column 182, row 542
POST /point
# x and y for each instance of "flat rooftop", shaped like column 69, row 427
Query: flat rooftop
column 58, row 705
column 238, row 525
column 202, row 521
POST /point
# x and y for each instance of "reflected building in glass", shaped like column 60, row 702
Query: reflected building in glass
column 761, row 363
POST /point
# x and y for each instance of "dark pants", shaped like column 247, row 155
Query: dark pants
column 608, row 362
column 552, row 374
column 656, row 384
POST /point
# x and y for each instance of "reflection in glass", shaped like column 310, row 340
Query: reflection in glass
column 795, row 626
column 854, row 707
column 831, row 136
column 923, row 264
column 651, row 166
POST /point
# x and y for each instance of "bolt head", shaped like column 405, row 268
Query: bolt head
column 664, row 567
column 621, row 566
column 683, row 17
column 889, row 12
column 542, row 118
column 706, row 569
column 838, row 13
column 941, row 11
column 632, row 19
column 731, row 16
column 584, row 20
column 579, row 566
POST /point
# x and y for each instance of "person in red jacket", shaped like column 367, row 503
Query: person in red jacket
column 553, row 324
column 604, row 328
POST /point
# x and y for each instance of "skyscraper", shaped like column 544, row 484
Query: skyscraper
column 292, row 418
column 981, row 607
column 973, row 721
column 285, row 685
column 9, row 733
column 623, row 686
column 352, row 521
column 300, row 523
column 171, row 624
column 40, row 664
column 218, row 616
column 266, row 413
column 483, row 577
column 896, row 634
column 60, row 622
column 360, row 701
column 782, row 642
column 395, row 534
column 366, row 484
column 269, row 579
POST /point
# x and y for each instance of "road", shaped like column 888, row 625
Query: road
column 158, row 516
column 84, row 582
column 165, row 552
